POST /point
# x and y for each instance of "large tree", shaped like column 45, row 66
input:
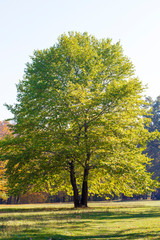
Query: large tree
column 78, row 122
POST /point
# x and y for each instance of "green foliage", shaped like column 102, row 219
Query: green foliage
column 79, row 103
column 153, row 147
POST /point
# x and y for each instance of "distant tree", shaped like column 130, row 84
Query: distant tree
column 4, row 131
column 78, row 122
column 153, row 148
column 33, row 197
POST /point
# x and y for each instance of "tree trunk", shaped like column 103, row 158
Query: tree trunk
column 9, row 200
column 84, row 198
column 16, row 199
column 74, row 186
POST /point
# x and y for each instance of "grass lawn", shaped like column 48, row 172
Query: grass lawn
column 102, row 220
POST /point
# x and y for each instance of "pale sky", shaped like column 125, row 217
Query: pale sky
column 26, row 25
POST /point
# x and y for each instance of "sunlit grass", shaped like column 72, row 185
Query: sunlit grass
column 103, row 220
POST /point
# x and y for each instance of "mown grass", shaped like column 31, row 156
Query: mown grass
column 103, row 220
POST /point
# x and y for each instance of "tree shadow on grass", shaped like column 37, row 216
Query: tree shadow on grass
column 32, row 210
column 77, row 220
column 118, row 215
column 83, row 215
column 121, row 235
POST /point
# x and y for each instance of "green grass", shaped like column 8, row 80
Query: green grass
column 103, row 220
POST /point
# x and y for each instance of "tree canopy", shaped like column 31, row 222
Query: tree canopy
column 78, row 122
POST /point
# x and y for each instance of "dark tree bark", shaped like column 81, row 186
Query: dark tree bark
column 9, row 200
column 16, row 199
column 74, row 185
column 84, row 198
